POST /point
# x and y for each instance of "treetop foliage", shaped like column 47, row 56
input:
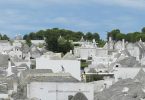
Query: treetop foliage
column 66, row 34
column 4, row 37
column 58, row 40
column 117, row 35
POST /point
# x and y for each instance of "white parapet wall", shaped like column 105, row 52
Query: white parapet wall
column 58, row 91
column 70, row 66
column 4, row 96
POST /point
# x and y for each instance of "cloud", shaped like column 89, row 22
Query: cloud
column 24, row 16
column 40, row 3
column 137, row 4
column 73, row 20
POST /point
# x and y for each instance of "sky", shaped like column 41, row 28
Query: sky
column 25, row 16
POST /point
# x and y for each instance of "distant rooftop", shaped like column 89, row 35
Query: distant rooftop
column 79, row 96
column 140, row 76
column 69, row 56
column 4, row 41
column 46, row 75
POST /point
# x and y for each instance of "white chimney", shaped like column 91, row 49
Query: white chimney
column 9, row 70
column 94, row 41
column 140, row 40
column 110, row 38
column 123, row 44
column 9, row 63
column 71, row 51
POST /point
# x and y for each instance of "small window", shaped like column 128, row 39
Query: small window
column 117, row 65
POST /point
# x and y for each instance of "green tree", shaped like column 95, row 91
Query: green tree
column 64, row 45
column 143, row 37
column 25, row 37
column 1, row 37
column 32, row 36
column 52, row 35
column 133, row 37
column 101, row 43
column 113, row 34
column 89, row 36
column 120, row 36
column 40, row 35
column 28, row 42
column 96, row 36
column 52, row 44
column 143, row 30
column 5, row 37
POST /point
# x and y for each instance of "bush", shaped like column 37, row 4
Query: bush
column 90, row 78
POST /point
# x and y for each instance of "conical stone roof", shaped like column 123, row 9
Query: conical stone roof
column 140, row 76
column 79, row 96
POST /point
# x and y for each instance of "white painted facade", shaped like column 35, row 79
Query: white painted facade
column 100, row 52
column 85, row 53
column 118, row 45
column 37, row 42
column 4, row 46
column 4, row 96
column 58, row 91
column 17, row 43
column 16, row 52
column 100, row 61
column 86, row 50
column 70, row 66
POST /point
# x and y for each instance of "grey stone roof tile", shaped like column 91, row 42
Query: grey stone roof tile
column 4, row 60
column 69, row 56
column 115, row 92
column 46, row 75
column 79, row 96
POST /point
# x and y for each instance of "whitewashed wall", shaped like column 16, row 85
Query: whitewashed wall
column 17, row 43
column 84, row 52
column 58, row 91
column 71, row 66
column 87, row 52
column 133, row 50
column 143, row 61
column 5, row 46
column 101, row 52
column 37, row 42
column 118, row 45
column 5, row 96
column 17, row 53
column 77, row 51
column 100, row 60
